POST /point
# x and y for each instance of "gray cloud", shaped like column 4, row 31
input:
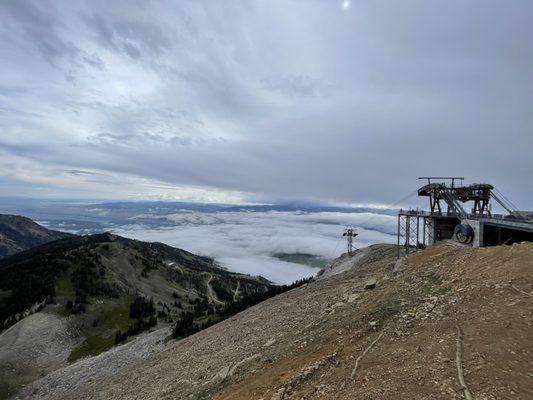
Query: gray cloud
column 281, row 100
column 78, row 172
column 95, row 62
column 128, row 35
column 292, row 85
column 38, row 24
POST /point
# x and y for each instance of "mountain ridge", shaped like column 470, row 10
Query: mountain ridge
column 82, row 295
column 18, row 233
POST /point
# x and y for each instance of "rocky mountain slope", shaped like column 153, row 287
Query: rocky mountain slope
column 20, row 233
column 445, row 323
column 82, row 295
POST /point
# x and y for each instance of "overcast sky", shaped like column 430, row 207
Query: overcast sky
column 261, row 101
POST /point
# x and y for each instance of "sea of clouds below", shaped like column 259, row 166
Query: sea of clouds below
column 246, row 241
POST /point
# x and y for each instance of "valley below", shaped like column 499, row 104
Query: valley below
column 282, row 243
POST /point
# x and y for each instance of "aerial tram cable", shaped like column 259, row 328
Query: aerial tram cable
column 391, row 207
column 506, row 199
column 375, row 215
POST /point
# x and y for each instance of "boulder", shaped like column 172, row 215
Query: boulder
column 370, row 284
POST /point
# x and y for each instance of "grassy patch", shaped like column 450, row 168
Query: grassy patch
column 438, row 286
column 434, row 278
column 113, row 316
column 92, row 346
column 7, row 389
column 385, row 311
column 110, row 315
column 64, row 289
column 310, row 260
column 64, row 292
column 14, row 377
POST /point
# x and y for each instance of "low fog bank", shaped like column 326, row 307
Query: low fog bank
column 246, row 241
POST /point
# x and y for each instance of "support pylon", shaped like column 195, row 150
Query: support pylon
column 350, row 234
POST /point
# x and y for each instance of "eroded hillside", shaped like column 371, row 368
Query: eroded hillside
column 334, row 339
column 82, row 295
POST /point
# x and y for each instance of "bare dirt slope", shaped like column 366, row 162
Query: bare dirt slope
column 91, row 368
column 334, row 339
column 36, row 345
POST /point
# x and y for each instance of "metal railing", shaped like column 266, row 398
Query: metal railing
column 499, row 218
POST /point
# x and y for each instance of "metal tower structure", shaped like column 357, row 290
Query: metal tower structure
column 350, row 234
column 475, row 225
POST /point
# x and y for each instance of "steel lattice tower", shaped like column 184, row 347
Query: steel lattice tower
column 350, row 234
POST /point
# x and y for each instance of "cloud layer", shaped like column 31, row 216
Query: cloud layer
column 246, row 241
column 254, row 101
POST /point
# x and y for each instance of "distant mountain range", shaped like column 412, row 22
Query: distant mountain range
column 92, row 217
column 20, row 233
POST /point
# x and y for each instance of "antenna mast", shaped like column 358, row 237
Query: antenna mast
column 350, row 234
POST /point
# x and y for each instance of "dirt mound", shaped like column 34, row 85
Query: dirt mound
column 441, row 324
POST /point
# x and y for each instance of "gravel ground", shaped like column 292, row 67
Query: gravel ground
column 200, row 365
column 98, row 367
column 35, row 346
column 42, row 340
column 344, row 263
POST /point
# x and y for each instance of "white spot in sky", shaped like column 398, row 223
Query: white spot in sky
column 345, row 4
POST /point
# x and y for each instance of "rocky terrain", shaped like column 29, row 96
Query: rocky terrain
column 20, row 233
column 79, row 296
column 102, row 365
column 445, row 323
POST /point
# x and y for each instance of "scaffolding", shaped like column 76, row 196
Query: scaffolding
column 416, row 230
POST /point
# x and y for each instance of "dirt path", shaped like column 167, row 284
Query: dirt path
column 211, row 295
column 236, row 292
